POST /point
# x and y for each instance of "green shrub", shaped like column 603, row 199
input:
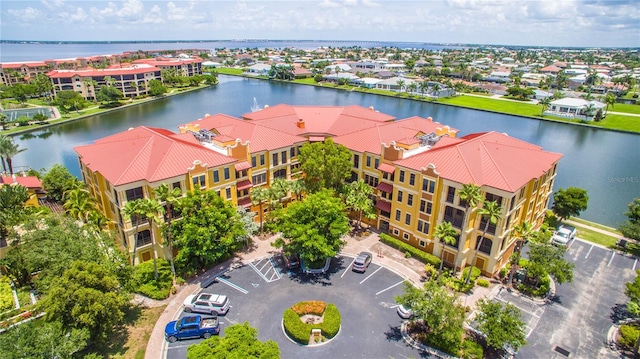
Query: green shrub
column 300, row 332
column 474, row 274
column 430, row 270
column 540, row 291
column 6, row 295
column 407, row 254
column 629, row 335
column 483, row 283
column 471, row 350
column 424, row 257
column 503, row 272
column 146, row 284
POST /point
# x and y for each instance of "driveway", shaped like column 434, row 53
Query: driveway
column 260, row 292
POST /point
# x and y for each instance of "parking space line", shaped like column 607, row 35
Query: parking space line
column 634, row 264
column 266, row 264
column 234, row 286
column 589, row 252
column 275, row 268
column 349, row 266
column 613, row 254
column 259, row 272
column 386, row 289
column 369, row 276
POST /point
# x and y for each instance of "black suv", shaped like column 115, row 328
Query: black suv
column 291, row 261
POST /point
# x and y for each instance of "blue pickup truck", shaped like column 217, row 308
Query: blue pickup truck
column 191, row 327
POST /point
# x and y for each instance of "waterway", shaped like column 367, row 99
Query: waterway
column 606, row 163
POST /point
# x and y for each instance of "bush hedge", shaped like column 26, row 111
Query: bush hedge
column 146, row 284
column 412, row 251
column 471, row 350
column 628, row 335
column 483, row 283
column 301, row 332
column 474, row 274
column 6, row 295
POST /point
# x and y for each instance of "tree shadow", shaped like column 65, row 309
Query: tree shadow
column 619, row 312
column 116, row 343
column 394, row 334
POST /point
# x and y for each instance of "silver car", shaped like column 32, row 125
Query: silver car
column 213, row 304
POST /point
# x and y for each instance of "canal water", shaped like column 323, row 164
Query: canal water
column 606, row 163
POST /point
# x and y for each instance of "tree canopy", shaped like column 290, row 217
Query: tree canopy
column 12, row 207
column 36, row 339
column 240, row 341
column 569, row 202
column 208, row 232
column 501, row 325
column 631, row 227
column 548, row 259
column 325, row 165
column 109, row 94
column 314, row 227
column 440, row 313
column 57, row 181
column 156, row 88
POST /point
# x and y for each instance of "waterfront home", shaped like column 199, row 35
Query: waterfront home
column 574, row 108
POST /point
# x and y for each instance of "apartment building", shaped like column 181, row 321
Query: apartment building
column 417, row 167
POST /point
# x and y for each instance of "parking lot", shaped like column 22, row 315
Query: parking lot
column 260, row 292
column 576, row 321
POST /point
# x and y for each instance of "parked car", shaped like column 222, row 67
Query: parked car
column 213, row 304
column 563, row 235
column 191, row 327
column 362, row 262
column 291, row 261
column 403, row 312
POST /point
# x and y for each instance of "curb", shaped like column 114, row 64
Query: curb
column 427, row 349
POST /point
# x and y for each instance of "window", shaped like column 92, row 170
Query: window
column 522, row 192
column 134, row 193
column 492, row 227
column 143, row 238
column 412, row 179
column 428, row 186
column 423, row 227
column 292, row 152
column 356, row 161
column 253, row 161
column 400, row 196
column 455, row 216
column 226, row 173
column 422, row 243
column 396, row 232
column 401, row 179
column 274, row 159
column 407, row 219
column 485, row 247
column 423, row 206
column 176, row 185
column 368, row 161
column 216, row 176
column 451, row 194
column 405, row 236
column 428, row 207
column 199, row 181
column 410, row 199
column 262, row 159
column 259, row 179
column 398, row 214
column 283, row 156
column 535, row 185
column 227, row 193
column 282, row 173
column 513, row 202
column 377, row 162
column 490, row 197
column 371, row 180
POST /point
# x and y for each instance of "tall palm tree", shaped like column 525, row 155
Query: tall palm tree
column 169, row 197
column 79, row 203
column 491, row 211
column 8, row 150
column 400, row 84
column 278, row 190
column 447, row 235
column 259, row 195
column 97, row 220
column 523, row 231
column 471, row 196
column 610, row 100
column 132, row 210
column 298, row 188
column 544, row 102
column 152, row 210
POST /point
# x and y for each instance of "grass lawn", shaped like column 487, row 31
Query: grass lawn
column 130, row 342
column 597, row 225
column 596, row 237
column 490, row 104
column 623, row 107
column 228, row 71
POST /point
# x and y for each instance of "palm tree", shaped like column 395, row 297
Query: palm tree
column 588, row 111
column 97, row 220
column 544, row 102
column 400, row 84
column 447, row 235
column 8, row 150
column 424, row 86
column 523, row 232
column 610, row 100
column 132, row 210
column 298, row 188
column 79, row 203
column 258, row 196
column 152, row 210
column 169, row 197
column 491, row 211
column 278, row 191
column 412, row 87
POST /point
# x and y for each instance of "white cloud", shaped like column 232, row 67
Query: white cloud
column 52, row 4
column 25, row 15
column 79, row 15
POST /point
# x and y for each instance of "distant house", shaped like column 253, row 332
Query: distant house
column 259, row 69
column 574, row 107
column 498, row 76
column 391, row 84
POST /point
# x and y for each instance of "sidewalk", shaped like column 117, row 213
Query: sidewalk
column 595, row 229
column 408, row 268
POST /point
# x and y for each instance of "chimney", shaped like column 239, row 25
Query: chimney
column 300, row 123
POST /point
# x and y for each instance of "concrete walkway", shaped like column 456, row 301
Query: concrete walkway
column 408, row 268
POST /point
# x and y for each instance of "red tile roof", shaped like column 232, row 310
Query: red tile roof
column 146, row 153
column 138, row 69
column 26, row 181
column 486, row 159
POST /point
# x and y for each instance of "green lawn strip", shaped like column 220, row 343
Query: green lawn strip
column 228, row 71
column 623, row 107
column 596, row 225
column 596, row 237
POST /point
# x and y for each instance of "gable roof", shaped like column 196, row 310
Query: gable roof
column 146, row 153
column 486, row 159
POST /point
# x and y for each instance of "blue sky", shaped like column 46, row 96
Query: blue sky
column 584, row 23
